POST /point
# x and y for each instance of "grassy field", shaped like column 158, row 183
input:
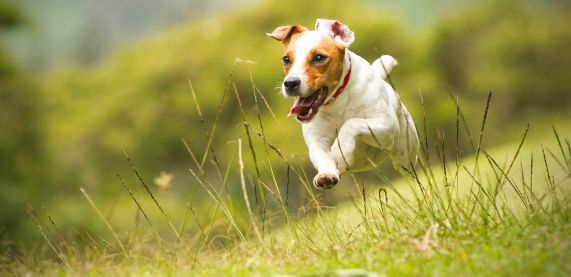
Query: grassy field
column 172, row 155
column 499, row 212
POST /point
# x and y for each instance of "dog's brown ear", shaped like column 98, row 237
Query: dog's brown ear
column 336, row 30
column 284, row 33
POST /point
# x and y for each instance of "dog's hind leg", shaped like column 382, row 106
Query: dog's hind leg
column 361, row 141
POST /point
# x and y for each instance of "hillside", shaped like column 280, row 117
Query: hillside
column 169, row 120
column 507, row 214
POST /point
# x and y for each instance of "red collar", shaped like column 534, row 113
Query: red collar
column 343, row 85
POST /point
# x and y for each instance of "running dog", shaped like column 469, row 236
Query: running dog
column 351, row 117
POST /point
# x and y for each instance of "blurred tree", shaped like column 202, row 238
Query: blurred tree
column 140, row 99
column 10, row 15
column 518, row 53
column 22, row 165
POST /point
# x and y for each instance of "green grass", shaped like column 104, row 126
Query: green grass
column 502, row 221
column 500, row 212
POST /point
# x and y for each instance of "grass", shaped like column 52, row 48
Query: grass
column 500, row 212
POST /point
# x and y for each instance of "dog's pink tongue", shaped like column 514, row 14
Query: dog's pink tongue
column 300, row 104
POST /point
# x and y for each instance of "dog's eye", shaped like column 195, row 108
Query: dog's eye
column 318, row 58
column 286, row 60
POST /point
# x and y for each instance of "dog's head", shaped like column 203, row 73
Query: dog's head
column 313, row 63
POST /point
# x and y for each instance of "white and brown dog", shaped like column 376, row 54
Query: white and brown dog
column 351, row 118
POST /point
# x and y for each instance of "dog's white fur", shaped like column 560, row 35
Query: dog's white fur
column 364, row 124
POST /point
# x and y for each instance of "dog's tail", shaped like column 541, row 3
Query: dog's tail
column 384, row 65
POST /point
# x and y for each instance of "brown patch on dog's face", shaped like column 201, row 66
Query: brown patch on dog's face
column 289, row 52
column 324, row 65
column 313, row 63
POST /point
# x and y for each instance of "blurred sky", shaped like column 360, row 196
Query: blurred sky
column 83, row 31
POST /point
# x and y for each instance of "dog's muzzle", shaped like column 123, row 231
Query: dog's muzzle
column 305, row 108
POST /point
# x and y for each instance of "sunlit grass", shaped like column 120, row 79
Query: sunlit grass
column 503, row 211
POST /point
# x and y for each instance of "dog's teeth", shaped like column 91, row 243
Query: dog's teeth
column 291, row 114
column 310, row 111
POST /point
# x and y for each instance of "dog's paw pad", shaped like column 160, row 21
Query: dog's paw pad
column 325, row 180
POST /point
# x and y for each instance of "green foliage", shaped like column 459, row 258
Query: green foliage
column 23, row 163
column 140, row 99
column 517, row 52
column 497, row 215
column 10, row 15
column 489, row 215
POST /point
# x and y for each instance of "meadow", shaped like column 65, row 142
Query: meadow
column 172, row 155
column 501, row 211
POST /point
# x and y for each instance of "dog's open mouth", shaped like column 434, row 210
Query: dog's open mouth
column 305, row 108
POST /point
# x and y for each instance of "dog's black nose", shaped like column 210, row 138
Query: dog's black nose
column 292, row 84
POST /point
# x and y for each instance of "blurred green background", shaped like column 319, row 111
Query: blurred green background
column 81, row 81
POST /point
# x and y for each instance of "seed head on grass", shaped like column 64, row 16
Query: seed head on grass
column 58, row 252
column 151, row 194
column 123, row 250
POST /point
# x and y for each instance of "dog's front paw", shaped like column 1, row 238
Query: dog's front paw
column 325, row 180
